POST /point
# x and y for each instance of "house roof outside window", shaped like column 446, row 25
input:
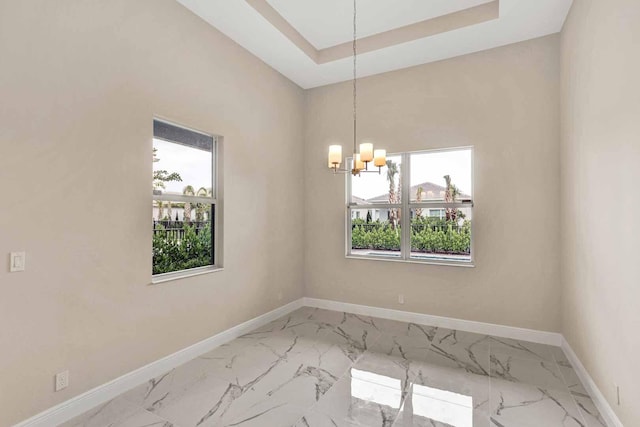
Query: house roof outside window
column 430, row 192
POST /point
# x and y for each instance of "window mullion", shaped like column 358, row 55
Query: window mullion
column 376, row 206
column 348, row 211
column 349, row 229
column 405, row 247
column 169, row 197
column 441, row 204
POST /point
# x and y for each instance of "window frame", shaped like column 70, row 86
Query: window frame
column 214, row 201
column 405, row 218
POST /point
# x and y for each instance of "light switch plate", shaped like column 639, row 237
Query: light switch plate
column 18, row 261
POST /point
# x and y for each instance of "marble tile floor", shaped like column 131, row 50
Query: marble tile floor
column 317, row 368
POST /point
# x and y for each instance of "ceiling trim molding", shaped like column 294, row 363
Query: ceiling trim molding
column 270, row 14
column 287, row 46
column 419, row 30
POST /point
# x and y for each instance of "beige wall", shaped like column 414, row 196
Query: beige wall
column 79, row 84
column 81, row 81
column 600, row 203
column 504, row 102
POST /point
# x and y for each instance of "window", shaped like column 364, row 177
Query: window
column 428, row 191
column 184, row 200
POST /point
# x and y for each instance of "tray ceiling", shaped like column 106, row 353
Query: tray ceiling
column 309, row 41
column 326, row 23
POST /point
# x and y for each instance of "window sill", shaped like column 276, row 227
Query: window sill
column 465, row 264
column 177, row 275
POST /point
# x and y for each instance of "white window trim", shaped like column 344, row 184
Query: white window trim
column 176, row 275
column 406, row 205
column 216, row 203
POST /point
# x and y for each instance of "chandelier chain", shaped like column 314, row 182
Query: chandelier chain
column 354, row 79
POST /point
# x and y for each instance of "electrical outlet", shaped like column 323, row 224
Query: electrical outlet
column 401, row 298
column 618, row 394
column 62, row 380
column 17, row 261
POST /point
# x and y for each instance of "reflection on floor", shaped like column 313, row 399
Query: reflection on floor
column 325, row 368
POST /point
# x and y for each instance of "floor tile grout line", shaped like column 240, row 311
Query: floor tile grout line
column 351, row 365
column 575, row 401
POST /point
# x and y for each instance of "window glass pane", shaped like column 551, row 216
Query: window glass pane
column 377, row 188
column 446, row 238
column 376, row 237
column 432, row 173
column 182, row 169
column 372, row 215
column 182, row 236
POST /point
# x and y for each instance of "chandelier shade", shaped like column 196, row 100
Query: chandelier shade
column 335, row 155
column 379, row 158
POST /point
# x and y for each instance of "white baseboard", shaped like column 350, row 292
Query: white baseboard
column 531, row 335
column 103, row 393
column 598, row 398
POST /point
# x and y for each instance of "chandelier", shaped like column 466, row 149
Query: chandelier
column 367, row 154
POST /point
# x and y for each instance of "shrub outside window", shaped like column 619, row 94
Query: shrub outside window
column 430, row 192
column 184, row 200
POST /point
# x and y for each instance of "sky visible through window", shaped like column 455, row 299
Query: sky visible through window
column 193, row 165
column 425, row 167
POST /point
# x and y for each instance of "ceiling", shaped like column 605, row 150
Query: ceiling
column 325, row 23
column 309, row 41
